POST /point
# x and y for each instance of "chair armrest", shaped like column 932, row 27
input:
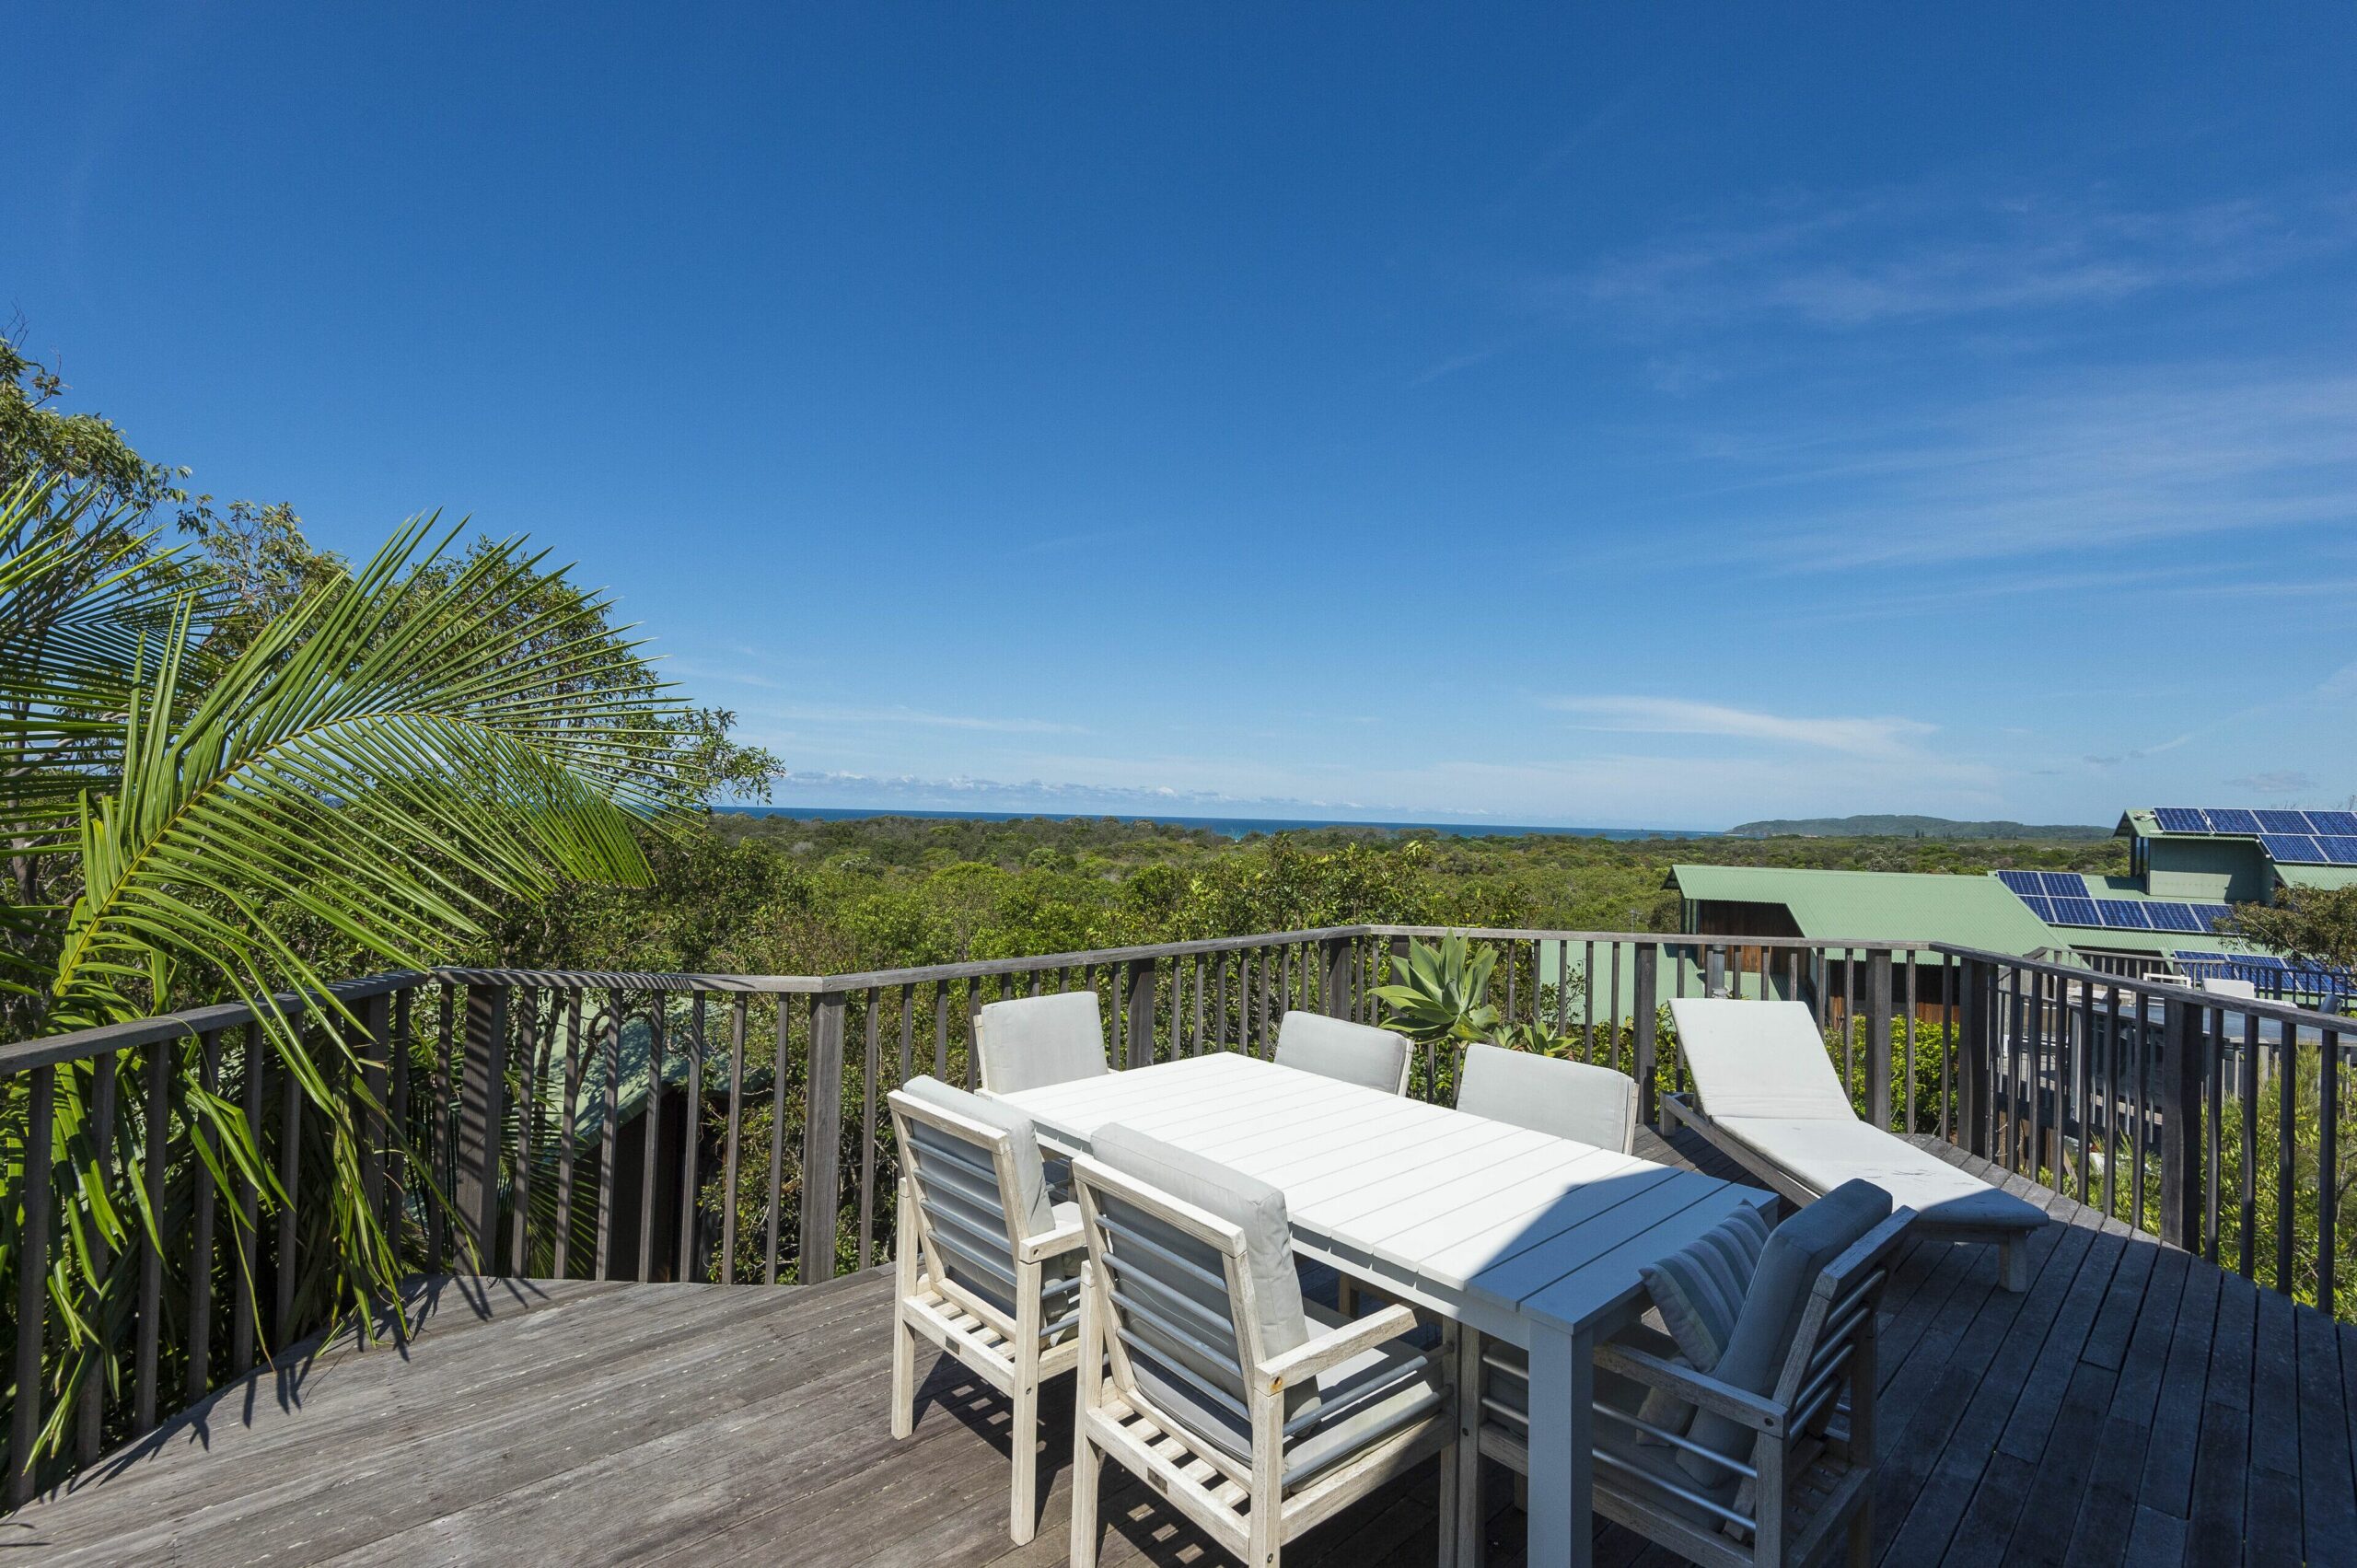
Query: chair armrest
column 1049, row 1243
column 1332, row 1349
column 1695, row 1387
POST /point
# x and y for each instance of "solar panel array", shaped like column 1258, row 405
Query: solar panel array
column 2266, row 971
column 2046, row 894
column 2236, row 821
column 2312, row 849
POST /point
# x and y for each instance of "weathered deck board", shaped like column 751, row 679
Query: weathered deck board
column 2136, row 1406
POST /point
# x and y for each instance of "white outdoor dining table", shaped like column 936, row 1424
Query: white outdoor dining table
column 1521, row 1236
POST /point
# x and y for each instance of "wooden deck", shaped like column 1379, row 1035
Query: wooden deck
column 2136, row 1406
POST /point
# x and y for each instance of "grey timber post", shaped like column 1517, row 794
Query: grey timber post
column 1648, row 957
column 2181, row 1073
column 1878, row 1096
column 823, row 1132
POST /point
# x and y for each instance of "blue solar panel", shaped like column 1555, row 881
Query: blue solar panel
column 2172, row 917
column 2063, row 884
column 2339, row 822
column 2026, row 883
column 2232, row 820
column 2076, row 911
column 2293, row 849
column 2343, row 851
column 2282, row 821
column 2180, row 819
column 2211, row 915
column 2122, row 914
column 2041, row 906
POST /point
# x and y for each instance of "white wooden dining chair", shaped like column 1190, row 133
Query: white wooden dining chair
column 1578, row 1100
column 1028, row 1042
column 1768, row 1458
column 1337, row 1047
column 986, row 1268
column 1203, row 1373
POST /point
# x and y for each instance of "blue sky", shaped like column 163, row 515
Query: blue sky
column 1669, row 417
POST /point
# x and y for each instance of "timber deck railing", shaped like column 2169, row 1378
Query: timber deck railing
column 729, row 1128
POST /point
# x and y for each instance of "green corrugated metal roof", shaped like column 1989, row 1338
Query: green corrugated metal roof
column 1879, row 906
column 2316, row 875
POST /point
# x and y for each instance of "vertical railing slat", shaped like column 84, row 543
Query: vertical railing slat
column 871, row 1064
column 242, row 1328
column 90, row 1412
column 568, row 1131
column 775, row 1199
column 32, row 1283
column 201, row 1228
column 738, row 1009
column 156, row 1136
column 650, row 1138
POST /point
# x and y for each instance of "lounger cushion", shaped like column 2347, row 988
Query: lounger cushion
column 1824, row 1154
column 1569, row 1099
column 1336, row 1048
column 1028, row 1042
column 1253, row 1207
column 1796, row 1253
column 1029, row 1204
column 1758, row 1059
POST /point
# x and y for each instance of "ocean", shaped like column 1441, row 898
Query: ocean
column 1233, row 827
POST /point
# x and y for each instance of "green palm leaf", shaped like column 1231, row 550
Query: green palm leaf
column 405, row 748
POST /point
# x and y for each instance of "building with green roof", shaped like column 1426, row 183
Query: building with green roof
column 2187, row 868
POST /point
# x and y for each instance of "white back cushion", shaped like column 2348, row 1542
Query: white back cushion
column 1568, row 1099
column 1336, row 1048
column 1027, row 1042
column 1763, row 1059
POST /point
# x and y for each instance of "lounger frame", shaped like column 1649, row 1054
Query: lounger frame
column 2012, row 1243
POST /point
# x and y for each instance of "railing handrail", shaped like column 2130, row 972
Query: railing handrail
column 75, row 1045
column 2159, row 990
column 79, row 1044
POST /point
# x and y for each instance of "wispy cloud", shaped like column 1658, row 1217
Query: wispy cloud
column 1869, row 737
column 804, row 714
column 1937, row 251
column 2285, row 780
column 2079, row 465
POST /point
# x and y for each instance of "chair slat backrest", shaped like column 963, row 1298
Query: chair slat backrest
column 1184, row 1331
column 968, row 1207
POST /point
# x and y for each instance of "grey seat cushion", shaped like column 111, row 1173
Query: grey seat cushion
column 1796, row 1253
column 1567, row 1099
column 1170, row 1372
column 1336, row 1048
column 1027, row 1042
column 1031, row 1205
column 1361, row 1401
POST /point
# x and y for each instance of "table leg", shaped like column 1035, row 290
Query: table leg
column 1469, row 1514
column 1562, row 1491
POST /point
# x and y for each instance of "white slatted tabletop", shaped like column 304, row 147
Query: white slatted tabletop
column 1524, row 1237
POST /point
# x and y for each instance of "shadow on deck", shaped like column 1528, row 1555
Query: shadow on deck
column 2136, row 1406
